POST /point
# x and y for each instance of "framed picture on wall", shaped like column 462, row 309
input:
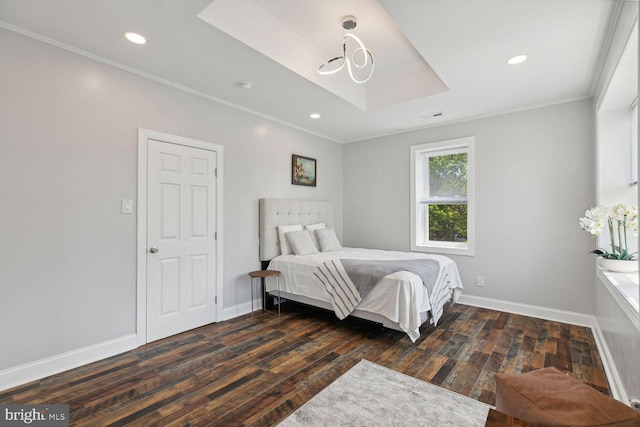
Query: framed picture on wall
column 303, row 171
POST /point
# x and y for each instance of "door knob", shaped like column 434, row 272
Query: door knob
column 153, row 249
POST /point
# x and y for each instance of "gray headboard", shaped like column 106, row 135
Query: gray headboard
column 275, row 212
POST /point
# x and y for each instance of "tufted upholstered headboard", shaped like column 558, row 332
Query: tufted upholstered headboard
column 275, row 212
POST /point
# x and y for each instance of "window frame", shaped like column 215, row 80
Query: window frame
column 417, row 230
column 633, row 142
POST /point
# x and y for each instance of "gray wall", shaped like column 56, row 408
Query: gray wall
column 68, row 155
column 534, row 179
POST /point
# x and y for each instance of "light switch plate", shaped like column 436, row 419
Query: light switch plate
column 127, row 206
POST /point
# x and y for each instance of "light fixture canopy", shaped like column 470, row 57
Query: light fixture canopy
column 359, row 58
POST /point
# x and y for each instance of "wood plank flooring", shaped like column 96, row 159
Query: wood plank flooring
column 254, row 371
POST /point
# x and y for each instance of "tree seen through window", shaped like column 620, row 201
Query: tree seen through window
column 447, row 214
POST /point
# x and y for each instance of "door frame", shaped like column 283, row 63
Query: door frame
column 144, row 135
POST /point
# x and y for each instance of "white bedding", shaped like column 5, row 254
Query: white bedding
column 400, row 297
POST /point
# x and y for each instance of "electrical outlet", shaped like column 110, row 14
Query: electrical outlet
column 480, row 281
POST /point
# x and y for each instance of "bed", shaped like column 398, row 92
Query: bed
column 399, row 301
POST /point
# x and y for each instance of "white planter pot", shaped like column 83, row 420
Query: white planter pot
column 618, row 265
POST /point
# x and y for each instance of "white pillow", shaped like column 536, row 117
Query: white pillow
column 285, row 249
column 311, row 228
column 301, row 243
column 328, row 240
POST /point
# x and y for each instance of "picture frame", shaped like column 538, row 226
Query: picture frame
column 303, row 170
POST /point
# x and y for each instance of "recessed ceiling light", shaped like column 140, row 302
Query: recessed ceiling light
column 518, row 59
column 314, row 115
column 135, row 38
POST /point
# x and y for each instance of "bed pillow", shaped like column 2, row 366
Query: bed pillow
column 328, row 240
column 301, row 243
column 311, row 228
column 285, row 249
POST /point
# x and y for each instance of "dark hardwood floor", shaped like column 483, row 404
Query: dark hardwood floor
column 255, row 371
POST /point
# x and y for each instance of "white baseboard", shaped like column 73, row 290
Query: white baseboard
column 569, row 317
column 572, row 318
column 22, row 374
column 615, row 383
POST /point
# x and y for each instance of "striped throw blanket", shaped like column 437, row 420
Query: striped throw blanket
column 349, row 281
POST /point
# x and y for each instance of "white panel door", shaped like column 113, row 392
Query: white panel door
column 181, row 239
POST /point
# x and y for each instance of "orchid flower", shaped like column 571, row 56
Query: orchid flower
column 618, row 219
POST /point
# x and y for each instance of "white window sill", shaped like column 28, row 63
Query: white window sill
column 624, row 289
column 445, row 249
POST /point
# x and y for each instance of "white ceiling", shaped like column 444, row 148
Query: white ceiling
column 302, row 34
column 466, row 43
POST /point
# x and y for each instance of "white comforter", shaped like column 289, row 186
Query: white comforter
column 400, row 297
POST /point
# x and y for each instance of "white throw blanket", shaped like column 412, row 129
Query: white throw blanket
column 347, row 282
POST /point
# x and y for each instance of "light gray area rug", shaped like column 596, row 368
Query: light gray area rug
column 372, row 395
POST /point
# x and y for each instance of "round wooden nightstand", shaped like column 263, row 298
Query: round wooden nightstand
column 263, row 275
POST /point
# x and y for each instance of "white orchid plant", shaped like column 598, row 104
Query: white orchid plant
column 618, row 219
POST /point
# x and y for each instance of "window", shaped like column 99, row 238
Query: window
column 617, row 165
column 442, row 197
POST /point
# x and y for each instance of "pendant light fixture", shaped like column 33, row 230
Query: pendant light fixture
column 354, row 55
